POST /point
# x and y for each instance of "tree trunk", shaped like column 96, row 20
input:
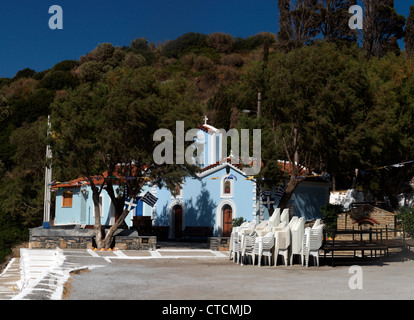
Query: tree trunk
column 97, row 227
column 269, row 208
column 108, row 237
column 290, row 188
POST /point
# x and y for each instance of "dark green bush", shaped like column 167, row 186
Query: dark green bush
column 330, row 215
column 406, row 216
column 185, row 44
column 57, row 80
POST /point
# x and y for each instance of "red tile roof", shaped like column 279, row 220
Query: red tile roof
column 98, row 180
column 208, row 129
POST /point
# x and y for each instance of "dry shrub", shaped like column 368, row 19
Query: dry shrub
column 233, row 60
column 202, row 63
column 221, row 42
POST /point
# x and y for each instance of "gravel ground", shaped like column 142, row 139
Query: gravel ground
column 221, row 279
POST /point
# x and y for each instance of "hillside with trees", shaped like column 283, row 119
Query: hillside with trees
column 332, row 101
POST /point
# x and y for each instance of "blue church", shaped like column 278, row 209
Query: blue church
column 220, row 193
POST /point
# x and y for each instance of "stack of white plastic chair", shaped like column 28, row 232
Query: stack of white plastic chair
column 282, row 242
column 297, row 230
column 274, row 220
column 235, row 245
column 268, row 243
column 261, row 225
column 284, row 217
column 233, row 237
column 246, row 230
column 248, row 247
column 261, row 232
column 292, row 222
column 312, row 242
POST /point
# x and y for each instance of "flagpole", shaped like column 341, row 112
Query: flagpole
column 48, row 180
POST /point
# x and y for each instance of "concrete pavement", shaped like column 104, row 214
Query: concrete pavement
column 41, row 274
column 182, row 273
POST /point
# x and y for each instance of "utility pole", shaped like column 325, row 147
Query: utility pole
column 48, row 180
column 259, row 104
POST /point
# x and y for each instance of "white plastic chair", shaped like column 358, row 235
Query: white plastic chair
column 268, row 243
column 233, row 238
column 317, row 223
column 262, row 224
column 263, row 231
column 282, row 242
column 248, row 247
column 296, row 230
column 284, row 217
column 292, row 222
column 235, row 252
column 236, row 239
column 312, row 242
column 274, row 220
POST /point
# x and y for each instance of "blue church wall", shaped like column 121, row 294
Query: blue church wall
column 202, row 201
column 82, row 209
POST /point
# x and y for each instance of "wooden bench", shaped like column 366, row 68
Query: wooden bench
column 354, row 245
column 197, row 233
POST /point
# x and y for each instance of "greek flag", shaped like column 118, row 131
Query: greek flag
column 149, row 199
column 280, row 191
column 130, row 204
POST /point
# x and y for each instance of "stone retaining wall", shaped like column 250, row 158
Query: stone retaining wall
column 218, row 243
column 60, row 242
column 76, row 238
column 140, row 243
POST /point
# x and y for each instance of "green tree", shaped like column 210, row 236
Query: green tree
column 334, row 17
column 313, row 95
column 409, row 33
column 140, row 46
column 385, row 136
column 109, row 127
column 285, row 30
column 383, row 27
column 304, row 21
column 22, row 188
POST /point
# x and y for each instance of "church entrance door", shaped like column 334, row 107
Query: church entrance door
column 178, row 221
column 227, row 220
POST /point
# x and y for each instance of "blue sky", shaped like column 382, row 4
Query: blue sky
column 27, row 42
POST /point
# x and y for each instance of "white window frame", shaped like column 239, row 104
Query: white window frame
column 226, row 195
column 178, row 196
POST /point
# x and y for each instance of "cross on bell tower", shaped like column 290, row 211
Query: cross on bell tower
column 205, row 120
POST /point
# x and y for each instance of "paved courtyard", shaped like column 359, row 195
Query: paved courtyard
column 195, row 274
column 218, row 278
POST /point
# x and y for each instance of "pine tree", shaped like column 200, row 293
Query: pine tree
column 383, row 26
column 409, row 33
column 284, row 33
column 305, row 21
column 298, row 20
column 334, row 17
